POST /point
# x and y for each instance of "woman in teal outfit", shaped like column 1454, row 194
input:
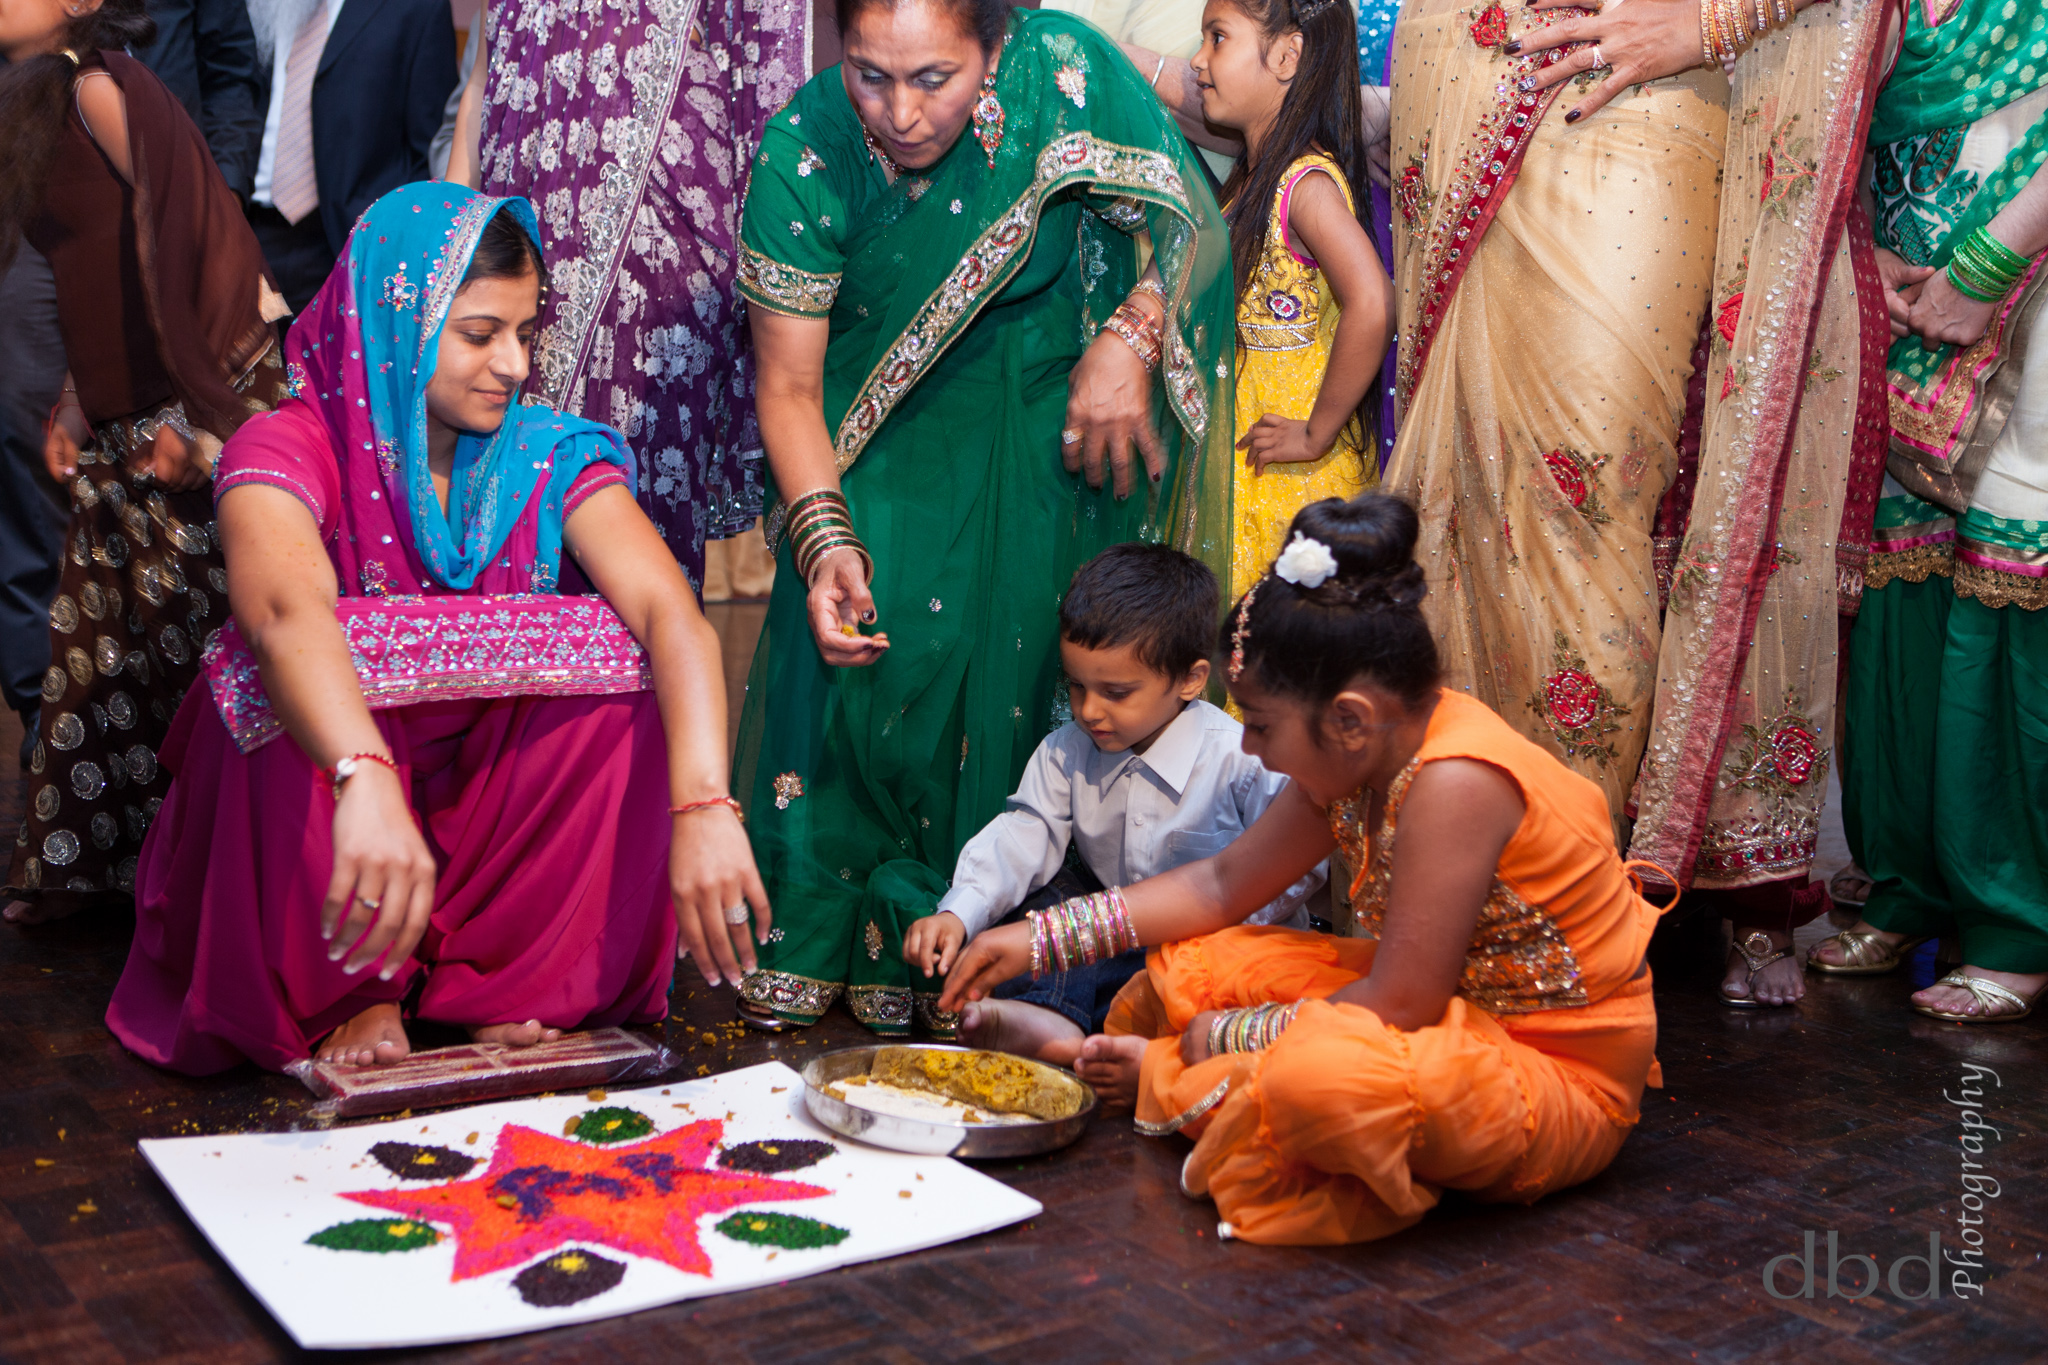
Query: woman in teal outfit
column 1946, row 795
column 976, row 247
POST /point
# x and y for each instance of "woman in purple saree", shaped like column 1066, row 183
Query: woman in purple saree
column 500, row 797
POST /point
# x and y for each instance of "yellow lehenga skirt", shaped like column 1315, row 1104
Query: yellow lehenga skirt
column 1543, row 387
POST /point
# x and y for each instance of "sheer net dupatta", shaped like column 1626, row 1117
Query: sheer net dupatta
column 1792, row 435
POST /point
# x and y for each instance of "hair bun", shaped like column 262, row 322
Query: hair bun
column 1372, row 538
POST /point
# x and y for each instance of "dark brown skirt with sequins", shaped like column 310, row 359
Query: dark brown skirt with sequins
column 142, row 593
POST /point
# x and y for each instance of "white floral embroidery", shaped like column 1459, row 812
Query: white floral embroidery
column 796, row 229
column 955, row 206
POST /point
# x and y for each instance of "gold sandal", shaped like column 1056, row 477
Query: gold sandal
column 1986, row 993
column 1863, row 954
column 1757, row 954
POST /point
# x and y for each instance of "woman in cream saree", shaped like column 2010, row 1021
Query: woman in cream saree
column 1551, row 280
column 1670, row 593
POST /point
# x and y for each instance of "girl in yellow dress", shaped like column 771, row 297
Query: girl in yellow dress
column 1313, row 303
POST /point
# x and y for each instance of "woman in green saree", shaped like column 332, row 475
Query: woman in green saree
column 951, row 325
column 1945, row 772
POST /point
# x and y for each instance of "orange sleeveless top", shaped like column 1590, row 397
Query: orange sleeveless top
column 1564, row 923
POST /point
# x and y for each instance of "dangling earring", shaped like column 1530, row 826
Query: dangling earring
column 988, row 116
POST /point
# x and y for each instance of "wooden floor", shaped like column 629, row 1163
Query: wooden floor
column 1831, row 1117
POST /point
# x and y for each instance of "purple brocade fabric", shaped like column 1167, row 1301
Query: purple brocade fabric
column 409, row 650
column 631, row 135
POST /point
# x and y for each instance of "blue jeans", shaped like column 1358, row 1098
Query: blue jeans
column 1083, row 994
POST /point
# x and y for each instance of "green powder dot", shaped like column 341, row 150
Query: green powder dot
column 612, row 1124
column 783, row 1230
column 375, row 1234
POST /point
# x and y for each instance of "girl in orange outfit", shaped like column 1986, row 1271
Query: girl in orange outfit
column 1491, row 1032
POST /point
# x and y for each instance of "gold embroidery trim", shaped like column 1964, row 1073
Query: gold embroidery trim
column 1912, row 565
column 783, row 288
column 1186, row 1116
column 1998, row 588
column 880, row 1006
column 787, row 993
column 995, row 256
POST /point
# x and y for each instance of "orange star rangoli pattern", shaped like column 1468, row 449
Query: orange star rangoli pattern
column 540, row 1192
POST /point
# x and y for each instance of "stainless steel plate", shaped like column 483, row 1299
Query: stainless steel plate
column 970, row 1140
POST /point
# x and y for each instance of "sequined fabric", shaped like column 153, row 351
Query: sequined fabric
column 142, row 592
column 630, row 130
column 1518, row 961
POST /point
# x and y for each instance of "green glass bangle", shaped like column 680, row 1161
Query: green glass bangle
column 1970, row 288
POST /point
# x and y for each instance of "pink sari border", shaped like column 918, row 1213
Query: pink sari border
column 409, row 650
column 1905, row 543
column 1967, row 553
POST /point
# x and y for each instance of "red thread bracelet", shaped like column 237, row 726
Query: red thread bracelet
column 706, row 804
column 348, row 765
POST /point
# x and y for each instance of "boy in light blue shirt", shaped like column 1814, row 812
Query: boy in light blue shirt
column 1147, row 776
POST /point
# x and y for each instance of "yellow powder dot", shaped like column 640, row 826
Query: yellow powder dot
column 471, row 1139
column 45, row 1161
column 506, row 1201
column 572, row 1264
column 610, row 1124
column 772, row 1151
column 401, row 1229
column 595, row 1097
column 569, row 1128
column 88, row 1207
column 424, row 1159
column 903, row 1194
column 757, row 1225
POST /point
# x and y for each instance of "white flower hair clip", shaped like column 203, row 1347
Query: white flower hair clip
column 1306, row 563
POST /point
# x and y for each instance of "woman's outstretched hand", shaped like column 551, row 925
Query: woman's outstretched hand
column 1642, row 41
column 992, row 958
column 1109, row 406
column 383, row 875
column 839, row 602
column 711, row 870
column 65, row 437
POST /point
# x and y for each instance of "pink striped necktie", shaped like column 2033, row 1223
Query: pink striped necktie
column 293, row 188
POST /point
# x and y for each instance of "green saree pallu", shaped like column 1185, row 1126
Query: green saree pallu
column 959, row 299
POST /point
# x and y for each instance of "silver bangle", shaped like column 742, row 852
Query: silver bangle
column 1154, row 82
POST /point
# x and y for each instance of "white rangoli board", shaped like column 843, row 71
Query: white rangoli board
column 259, row 1196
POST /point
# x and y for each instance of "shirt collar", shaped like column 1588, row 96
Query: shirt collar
column 1172, row 756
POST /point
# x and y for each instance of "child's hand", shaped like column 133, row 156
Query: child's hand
column 933, row 942
column 1277, row 440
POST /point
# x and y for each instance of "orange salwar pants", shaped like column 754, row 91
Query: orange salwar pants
column 1347, row 1128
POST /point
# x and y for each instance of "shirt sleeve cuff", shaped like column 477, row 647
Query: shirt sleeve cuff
column 969, row 908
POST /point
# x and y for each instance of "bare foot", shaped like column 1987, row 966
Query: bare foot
column 514, row 1035
column 1781, row 983
column 374, row 1037
column 1110, row 1066
column 1027, row 1030
column 1959, row 999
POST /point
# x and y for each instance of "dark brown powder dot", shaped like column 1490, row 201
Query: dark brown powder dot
column 567, row 1277
column 409, row 1162
column 780, row 1154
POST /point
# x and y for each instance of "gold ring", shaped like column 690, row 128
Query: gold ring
column 1071, row 436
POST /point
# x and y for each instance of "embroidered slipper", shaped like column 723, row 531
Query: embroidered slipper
column 1863, row 954
column 1757, row 954
column 1987, row 993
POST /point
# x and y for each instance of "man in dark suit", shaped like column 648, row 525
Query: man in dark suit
column 354, row 90
column 205, row 52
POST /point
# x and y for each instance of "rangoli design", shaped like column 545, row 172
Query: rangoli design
column 540, row 1195
column 775, row 1156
